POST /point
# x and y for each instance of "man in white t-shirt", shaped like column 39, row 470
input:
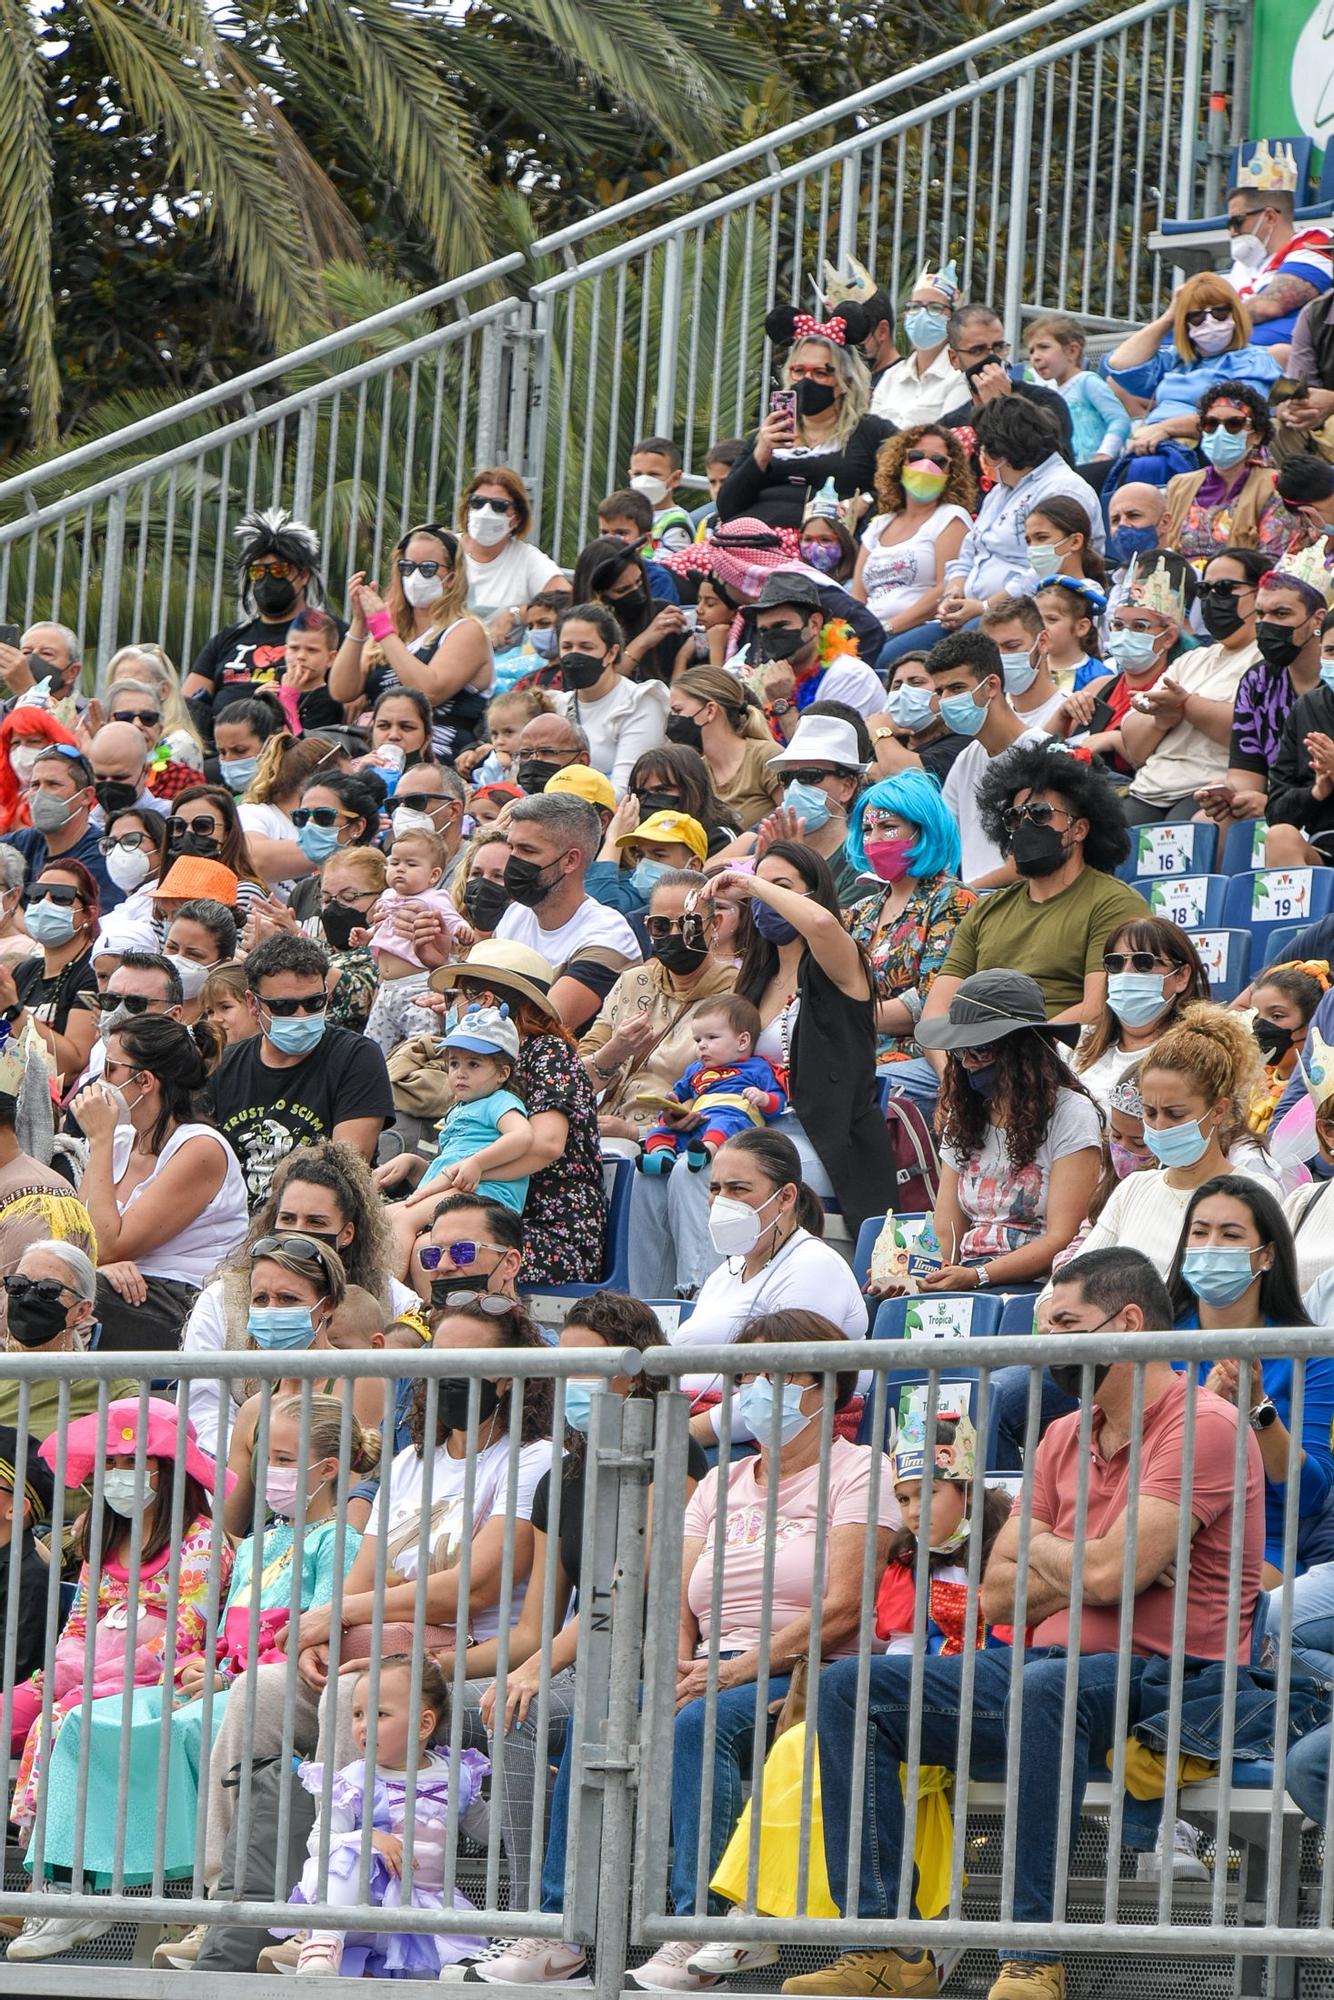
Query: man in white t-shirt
column 970, row 699
column 789, row 618
column 553, row 838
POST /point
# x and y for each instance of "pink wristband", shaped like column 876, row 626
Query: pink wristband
column 380, row 624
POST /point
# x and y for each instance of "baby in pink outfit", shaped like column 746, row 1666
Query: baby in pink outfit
column 414, row 872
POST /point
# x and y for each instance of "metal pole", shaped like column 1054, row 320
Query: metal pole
column 1021, row 140
column 108, row 610
column 1216, row 129
column 1190, row 108
column 669, row 322
column 620, row 1761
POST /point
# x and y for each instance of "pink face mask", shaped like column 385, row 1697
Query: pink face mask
column 1125, row 1159
column 889, row 858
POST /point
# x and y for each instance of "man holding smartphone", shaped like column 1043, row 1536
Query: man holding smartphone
column 46, row 651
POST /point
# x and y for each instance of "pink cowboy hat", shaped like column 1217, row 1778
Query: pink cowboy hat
column 81, row 1445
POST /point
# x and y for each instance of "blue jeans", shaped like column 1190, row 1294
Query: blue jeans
column 1312, row 1620
column 1007, row 1418
column 876, row 1776
column 733, row 1738
column 918, row 639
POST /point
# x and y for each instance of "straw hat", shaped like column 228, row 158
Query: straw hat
column 498, row 962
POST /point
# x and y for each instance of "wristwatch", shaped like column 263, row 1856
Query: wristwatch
column 1263, row 1415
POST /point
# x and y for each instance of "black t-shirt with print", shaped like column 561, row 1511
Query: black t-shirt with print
column 246, row 656
column 265, row 1113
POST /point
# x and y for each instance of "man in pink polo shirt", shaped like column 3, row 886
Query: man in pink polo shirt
column 1108, row 1291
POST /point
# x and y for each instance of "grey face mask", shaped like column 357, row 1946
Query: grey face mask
column 115, row 1020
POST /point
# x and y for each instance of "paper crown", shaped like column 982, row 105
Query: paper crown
column 945, row 280
column 1317, row 1061
column 859, row 285
column 956, row 1460
column 1153, row 590
column 1270, row 169
column 1308, row 567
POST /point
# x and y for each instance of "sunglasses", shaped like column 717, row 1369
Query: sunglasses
column 51, row 892
column 144, row 715
column 1208, row 316
column 178, row 828
column 48, row 1290
column 460, row 1254
column 110, row 842
column 304, row 1003
column 301, row 1249
column 1226, row 591
column 490, row 506
column 420, row 802
column 1133, row 961
column 132, row 1003
column 690, row 928
column 321, row 815
column 793, row 776
column 1235, row 224
column 1234, row 426
column 1033, row 815
column 408, row 568
column 926, row 458
column 256, row 570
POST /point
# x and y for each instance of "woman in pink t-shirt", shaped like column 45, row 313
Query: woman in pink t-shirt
column 753, row 1572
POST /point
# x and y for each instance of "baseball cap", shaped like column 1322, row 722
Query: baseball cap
column 585, row 783
column 675, row 826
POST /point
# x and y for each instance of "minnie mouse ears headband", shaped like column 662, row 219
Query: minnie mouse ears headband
column 786, row 324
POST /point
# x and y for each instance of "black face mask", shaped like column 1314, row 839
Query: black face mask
column 338, row 923
column 1069, row 1375
column 813, row 397
column 1274, row 1041
column 781, row 644
column 524, row 883
column 653, row 802
column 580, row 670
column 485, row 902
column 181, row 840
column 1037, row 850
column 533, row 772
column 630, row 603
column 442, row 1288
column 684, row 729
column 453, row 1404
column 675, row 955
column 35, row 1322
column 1278, row 647
column 274, row 596
column 113, row 796
column 1219, row 611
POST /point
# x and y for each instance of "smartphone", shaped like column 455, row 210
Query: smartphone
column 783, row 402
column 9, row 635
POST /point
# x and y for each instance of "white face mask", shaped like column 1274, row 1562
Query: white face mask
column 486, row 527
column 422, row 590
column 406, row 820
column 192, row 975
column 735, row 1227
column 128, row 867
column 23, row 763
column 1248, row 251
column 653, row 489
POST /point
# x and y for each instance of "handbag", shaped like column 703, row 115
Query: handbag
column 916, row 1162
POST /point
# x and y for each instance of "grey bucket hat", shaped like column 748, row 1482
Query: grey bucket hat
column 987, row 1007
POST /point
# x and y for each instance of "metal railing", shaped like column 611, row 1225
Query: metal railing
column 1040, row 160
column 652, row 1777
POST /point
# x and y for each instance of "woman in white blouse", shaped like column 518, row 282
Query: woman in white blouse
column 926, row 495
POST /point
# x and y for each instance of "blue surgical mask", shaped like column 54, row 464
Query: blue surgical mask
column 644, row 875
column 48, row 922
column 1044, row 557
column 1224, row 448
column 961, row 714
column 281, row 1326
column 924, row 326
column 1019, row 671
column 755, row 1411
column 1132, row 651
column 1177, row 1145
column 317, row 843
column 1136, row 998
column 579, row 1394
column 296, row 1034
column 1218, row 1277
column 238, row 773
column 1125, row 542
column 809, row 803
column 910, row 707
column 542, row 639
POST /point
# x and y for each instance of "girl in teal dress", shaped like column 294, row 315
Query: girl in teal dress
column 265, row 1574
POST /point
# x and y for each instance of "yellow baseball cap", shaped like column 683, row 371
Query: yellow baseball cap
column 674, row 826
column 585, row 783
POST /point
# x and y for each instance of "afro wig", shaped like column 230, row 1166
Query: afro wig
column 271, row 531
column 1030, row 767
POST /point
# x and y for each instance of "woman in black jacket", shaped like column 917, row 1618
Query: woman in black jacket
column 831, row 435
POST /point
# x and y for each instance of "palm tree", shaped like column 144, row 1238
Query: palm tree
column 284, row 119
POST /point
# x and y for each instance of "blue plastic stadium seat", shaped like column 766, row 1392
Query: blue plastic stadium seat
column 1017, row 1310
column 1192, row 902
column 1244, row 841
column 1171, row 847
column 672, row 1313
column 1227, row 960
column 866, row 1242
column 1269, row 900
column 1280, row 944
column 938, row 1315
column 907, row 1387
column 619, row 1177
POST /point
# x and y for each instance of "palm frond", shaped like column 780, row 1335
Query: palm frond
column 331, row 229
column 25, row 209
column 165, row 58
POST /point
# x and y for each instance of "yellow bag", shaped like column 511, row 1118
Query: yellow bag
column 780, row 1830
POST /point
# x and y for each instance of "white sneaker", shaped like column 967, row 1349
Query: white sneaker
column 670, row 1971
column 725, row 1961
column 1186, row 1863
column 47, row 1937
column 531, row 1962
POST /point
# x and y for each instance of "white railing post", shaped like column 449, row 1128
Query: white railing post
column 669, row 324
column 1021, row 143
column 1190, row 108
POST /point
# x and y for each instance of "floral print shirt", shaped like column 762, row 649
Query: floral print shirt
column 908, row 950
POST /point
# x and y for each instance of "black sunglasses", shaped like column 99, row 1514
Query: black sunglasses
column 1207, row 313
column 58, row 893
column 793, row 776
column 304, row 1003
column 1234, row 225
column 407, row 568
column 322, row 815
column 1233, row 425
column 144, row 715
column 48, row 1290
column 1132, row 961
column 301, row 1249
column 926, row 458
column 493, row 506
column 132, row 1003
column 1226, row 589
column 690, row 928
column 178, row 827
column 1038, row 814
column 421, row 802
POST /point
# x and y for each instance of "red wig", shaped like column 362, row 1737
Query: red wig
column 36, row 728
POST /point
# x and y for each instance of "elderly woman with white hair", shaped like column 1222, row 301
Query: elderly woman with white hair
column 825, row 433
column 50, row 1311
column 147, row 670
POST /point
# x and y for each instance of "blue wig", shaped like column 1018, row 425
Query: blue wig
column 915, row 797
